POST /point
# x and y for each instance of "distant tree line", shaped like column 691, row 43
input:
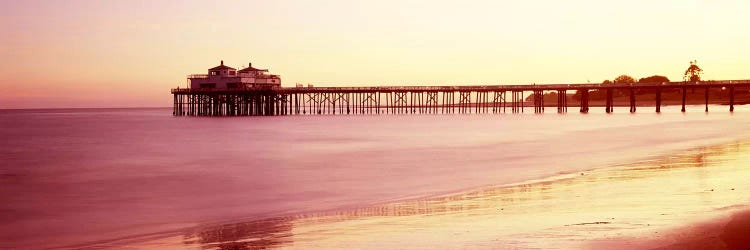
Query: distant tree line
column 692, row 75
column 623, row 79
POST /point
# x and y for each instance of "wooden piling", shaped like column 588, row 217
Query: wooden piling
column 632, row 100
column 658, row 100
column 731, row 99
column 610, row 96
column 684, row 97
column 706, row 92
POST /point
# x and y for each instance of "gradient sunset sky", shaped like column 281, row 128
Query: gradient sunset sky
column 130, row 53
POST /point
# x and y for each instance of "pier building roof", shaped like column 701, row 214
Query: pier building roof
column 251, row 69
column 222, row 66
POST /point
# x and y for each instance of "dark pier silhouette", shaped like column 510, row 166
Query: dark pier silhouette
column 268, row 101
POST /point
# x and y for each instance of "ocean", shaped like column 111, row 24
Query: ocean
column 141, row 177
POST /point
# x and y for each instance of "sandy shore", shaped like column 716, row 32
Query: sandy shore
column 728, row 230
column 687, row 200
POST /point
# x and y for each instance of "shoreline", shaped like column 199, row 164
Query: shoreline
column 451, row 206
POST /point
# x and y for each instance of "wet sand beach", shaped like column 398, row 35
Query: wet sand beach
column 728, row 229
column 689, row 199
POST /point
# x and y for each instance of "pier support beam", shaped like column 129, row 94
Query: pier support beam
column 497, row 101
column 706, row 91
column 538, row 101
column 562, row 101
column 658, row 100
column 517, row 102
column 632, row 100
column 608, row 105
column 584, row 101
column 464, row 101
column 684, row 97
column 731, row 99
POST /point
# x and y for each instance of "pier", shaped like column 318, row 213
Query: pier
column 276, row 100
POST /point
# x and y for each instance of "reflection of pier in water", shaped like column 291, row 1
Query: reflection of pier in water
column 430, row 99
column 499, row 209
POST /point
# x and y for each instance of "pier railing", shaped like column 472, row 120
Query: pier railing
column 197, row 76
column 473, row 87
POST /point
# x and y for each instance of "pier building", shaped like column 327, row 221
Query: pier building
column 225, row 77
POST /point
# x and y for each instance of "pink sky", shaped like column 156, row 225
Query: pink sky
column 130, row 53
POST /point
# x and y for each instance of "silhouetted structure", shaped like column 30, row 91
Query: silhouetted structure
column 253, row 101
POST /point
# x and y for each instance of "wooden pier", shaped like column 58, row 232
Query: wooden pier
column 427, row 99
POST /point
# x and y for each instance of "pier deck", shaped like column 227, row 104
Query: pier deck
column 429, row 99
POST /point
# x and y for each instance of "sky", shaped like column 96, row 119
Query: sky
column 71, row 54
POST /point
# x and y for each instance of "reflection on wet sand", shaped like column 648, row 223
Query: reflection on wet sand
column 564, row 211
column 258, row 234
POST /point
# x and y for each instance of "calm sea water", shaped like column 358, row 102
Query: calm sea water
column 72, row 177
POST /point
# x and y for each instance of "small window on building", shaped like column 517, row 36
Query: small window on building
column 214, row 73
column 208, row 85
column 231, row 72
column 232, row 85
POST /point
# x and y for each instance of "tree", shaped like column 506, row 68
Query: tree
column 693, row 73
column 654, row 79
column 651, row 79
column 624, row 79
